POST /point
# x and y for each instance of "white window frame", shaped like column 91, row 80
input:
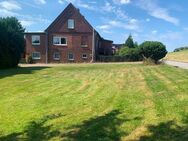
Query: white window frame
column 71, row 24
column 54, row 56
column 33, row 39
column 71, row 59
column 36, row 58
column 84, row 54
column 59, row 37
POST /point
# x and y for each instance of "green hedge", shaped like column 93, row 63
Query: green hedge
column 127, row 58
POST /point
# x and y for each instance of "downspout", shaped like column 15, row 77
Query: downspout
column 46, row 44
column 93, row 47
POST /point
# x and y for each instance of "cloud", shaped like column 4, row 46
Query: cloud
column 122, row 1
column 117, row 11
column 78, row 3
column 154, row 32
column 132, row 24
column 61, row 1
column 7, row 13
column 148, row 20
column 104, row 27
column 26, row 23
column 156, row 11
column 40, row 2
column 10, row 5
column 186, row 28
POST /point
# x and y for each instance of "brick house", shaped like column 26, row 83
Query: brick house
column 70, row 38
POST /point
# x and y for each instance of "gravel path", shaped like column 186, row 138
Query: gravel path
column 177, row 64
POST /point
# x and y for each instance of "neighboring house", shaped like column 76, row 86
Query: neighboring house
column 70, row 38
column 116, row 48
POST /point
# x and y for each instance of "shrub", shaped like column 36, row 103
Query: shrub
column 153, row 50
column 11, row 42
column 29, row 59
column 132, row 53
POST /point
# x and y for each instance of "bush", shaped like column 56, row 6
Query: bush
column 11, row 42
column 132, row 53
column 153, row 50
column 29, row 59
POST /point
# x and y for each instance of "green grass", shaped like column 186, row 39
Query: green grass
column 181, row 56
column 94, row 102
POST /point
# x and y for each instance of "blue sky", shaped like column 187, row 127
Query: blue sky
column 159, row 20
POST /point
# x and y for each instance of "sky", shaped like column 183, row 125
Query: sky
column 146, row 20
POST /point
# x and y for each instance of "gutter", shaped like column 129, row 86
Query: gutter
column 46, row 45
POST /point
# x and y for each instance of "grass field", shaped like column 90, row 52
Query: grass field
column 181, row 56
column 94, row 102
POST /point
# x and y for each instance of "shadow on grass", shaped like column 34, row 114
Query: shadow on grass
column 167, row 131
column 35, row 131
column 16, row 71
column 102, row 128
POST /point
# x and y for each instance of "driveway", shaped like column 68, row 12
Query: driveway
column 177, row 64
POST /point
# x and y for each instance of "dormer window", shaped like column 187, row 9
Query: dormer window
column 70, row 24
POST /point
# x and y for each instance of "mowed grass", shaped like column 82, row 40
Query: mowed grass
column 94, row 102
column 181, row 56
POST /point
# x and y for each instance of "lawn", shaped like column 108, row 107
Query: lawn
column 94, row 102
column 181, row 56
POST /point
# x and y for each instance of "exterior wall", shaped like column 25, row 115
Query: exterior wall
column 36, row 48
column 73, row 46
column 106, row 47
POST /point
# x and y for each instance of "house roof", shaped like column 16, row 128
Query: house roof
column 70, row 8
column 34, row 33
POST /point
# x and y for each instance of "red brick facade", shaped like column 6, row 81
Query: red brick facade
column 62, row 44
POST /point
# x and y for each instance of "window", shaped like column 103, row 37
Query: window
column 36, row 55
column 84, row 56
column 35, row 40
column 62, row 41
column 70, row 56
column 70, row 24
column 84, row 41
column 56, row 56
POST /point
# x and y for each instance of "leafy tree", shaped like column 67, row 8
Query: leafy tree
column 153, row 50
column 129, row 42
column 11, row 42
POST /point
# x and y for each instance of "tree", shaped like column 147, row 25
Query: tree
column 11, row 42
column 129, row 42
column 153, row 50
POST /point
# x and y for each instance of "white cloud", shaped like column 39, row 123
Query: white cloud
column 122, row 1
column 132, row 24
column 156, row 11
column 7, row 13
column 104, row 27
column 26, row 23
column 61, row 1
column 108, row 7
column 148, row 20
column 39, row 2
column 78, row 3
column 154, row 32
column 10, row 5
column 186, row 28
